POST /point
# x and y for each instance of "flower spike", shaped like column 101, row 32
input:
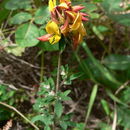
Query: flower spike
column 66, row 20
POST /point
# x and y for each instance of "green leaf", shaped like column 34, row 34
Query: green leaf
column 75, row 76
column 46, row 46
column 63, row 125
column 41, row 15
column 37, row 118
column 104, row 126
column 114, row 98
column 90, row 7
column 117, row 62
column 26, row 35
column 3, row 11
column 20, row 18
column 125, row 96
column 18, row 4
column 79, row 126
column 4, row 114
column 112, row 5
column 105, row 106
column 97, row 1
column 97, row 32
column 64, row 95
column 123, row 117
column 46, row 119
column 94, row 15
column 16, row 50
column 115, row 12
column 47, row 128
column 58, row 109
column 102, row 28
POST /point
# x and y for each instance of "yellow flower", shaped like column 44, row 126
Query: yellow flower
column 78, row 30
column 53, row 35
column 52, row 4
column 61, row 1
column 76, row 23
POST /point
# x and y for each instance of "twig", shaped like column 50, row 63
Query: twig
column 74, row 105
column 9, row 85
column 24, row 62
column 58, row 72
column 25, row 87
column 19, row 113
column 122, row 87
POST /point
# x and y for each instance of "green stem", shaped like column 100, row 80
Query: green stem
column 42, row 67
column 85, row 67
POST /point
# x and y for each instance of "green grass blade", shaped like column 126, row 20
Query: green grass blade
column 114, row 98
column 109, row 79
column 91, row 102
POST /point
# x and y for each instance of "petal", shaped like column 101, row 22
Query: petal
column 70, row 14
column 52, row 28
column 82, row 30
column 60, row 17
column 77, row 8
column 84, row 14
column 61, row 1
column 52, row 4
column 77, row 23
column 63, row 6
column 84, row 18
column 65, row 28
column 54, row 39
column 53, row 17
column 78, row 37
column 44, row 37
column 76, row 40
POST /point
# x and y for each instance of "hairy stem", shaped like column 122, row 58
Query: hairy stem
column 42, row 67
column 58, row 72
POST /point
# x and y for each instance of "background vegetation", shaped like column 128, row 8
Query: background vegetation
column 93, row 81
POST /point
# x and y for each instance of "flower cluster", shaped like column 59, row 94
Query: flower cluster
column 66, row 20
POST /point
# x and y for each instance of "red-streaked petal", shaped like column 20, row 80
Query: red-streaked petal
column 65, row 28
column 84, row 14
column 61, row 1
column 84, row 18
column 63, row 6
column 45, row 37
column 53, row 17
column 77, row 8
column 76, row 41
column 70, row 14
column 60, row 16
